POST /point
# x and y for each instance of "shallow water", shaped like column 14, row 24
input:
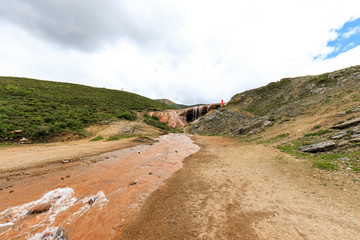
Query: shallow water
column 95, row 199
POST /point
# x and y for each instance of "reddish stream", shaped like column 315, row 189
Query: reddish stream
column 93, row 200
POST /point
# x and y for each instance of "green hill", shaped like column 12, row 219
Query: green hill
column 40, row 108
column 171, row 103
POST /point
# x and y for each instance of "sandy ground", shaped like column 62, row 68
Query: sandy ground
column 232, row 190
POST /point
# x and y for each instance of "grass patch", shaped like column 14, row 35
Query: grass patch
column 274, row 139
column 343, row 157
column 98, row 138
column 325, row 165
column 318, row 133
column 118, row 136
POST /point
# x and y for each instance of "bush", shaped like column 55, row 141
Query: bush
column 127, row 115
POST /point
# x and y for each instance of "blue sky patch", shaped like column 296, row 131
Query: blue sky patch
column 348, row 37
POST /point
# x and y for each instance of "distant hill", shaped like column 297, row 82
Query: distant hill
column 39, row 108
column 171, row 103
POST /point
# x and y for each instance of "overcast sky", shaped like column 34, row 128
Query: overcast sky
column 187, row 51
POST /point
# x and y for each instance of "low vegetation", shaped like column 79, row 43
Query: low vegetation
column 340, row 158
column 38, row 109
column 154, row 121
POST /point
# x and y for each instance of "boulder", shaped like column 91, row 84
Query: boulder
column 319, row 147
column 347, row 124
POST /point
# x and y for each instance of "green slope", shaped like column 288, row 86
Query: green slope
column 40, row 108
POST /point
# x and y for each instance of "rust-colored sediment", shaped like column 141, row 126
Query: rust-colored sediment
column 94, row 199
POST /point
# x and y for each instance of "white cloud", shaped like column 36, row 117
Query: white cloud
column 204, row 51
column 353, row 31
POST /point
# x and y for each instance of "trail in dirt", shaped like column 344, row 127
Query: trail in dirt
column 231, row 190
column 92, row 199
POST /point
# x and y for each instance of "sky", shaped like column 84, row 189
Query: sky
column 190, row 52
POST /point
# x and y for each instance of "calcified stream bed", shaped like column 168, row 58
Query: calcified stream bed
column 92, row 200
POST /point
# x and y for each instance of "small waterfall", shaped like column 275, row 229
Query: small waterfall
column 208, row 107
column 200, row 110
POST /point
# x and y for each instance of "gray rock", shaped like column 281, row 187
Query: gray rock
column 126, row 130
column 339, row 135
column 356, row 130
column 340, row 114
column 355, row 136
column 355, row 140
column 342, row 143
column 319, row 147
column 347, row 124
column 355, row 110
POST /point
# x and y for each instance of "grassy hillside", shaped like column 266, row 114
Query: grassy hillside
column 291, row 96
column 40, row 108
column 171, row 103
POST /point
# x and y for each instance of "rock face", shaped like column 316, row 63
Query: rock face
column 218, row 122
column 319, row 147
column 182, row 117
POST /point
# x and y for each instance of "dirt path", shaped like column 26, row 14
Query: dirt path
column 91, row 198
column 231, row 190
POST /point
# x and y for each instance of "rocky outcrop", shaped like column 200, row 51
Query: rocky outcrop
column 319, row 147
column 183, row 117
column 347, row 124
column 218, row 122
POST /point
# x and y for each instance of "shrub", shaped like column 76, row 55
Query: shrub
column 127, row 115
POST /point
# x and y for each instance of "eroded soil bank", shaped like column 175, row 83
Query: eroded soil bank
column 233, row 190
column 91, row 198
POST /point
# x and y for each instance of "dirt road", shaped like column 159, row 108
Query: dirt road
column 231, row 190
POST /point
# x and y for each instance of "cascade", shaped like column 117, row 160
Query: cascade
column 200, row 110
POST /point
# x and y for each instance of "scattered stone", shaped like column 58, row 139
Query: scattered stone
column 340, row 114
column 40, row 209
column 150, row 173
column 356, row 130
column 58, row 235
column 319, row 147
column 339, row 135
column 92, row 200
column 126, row 130
column 11, row 191
column 65, row 161
column 355, row 136
column 355, row 140
column 134, row 183
column 176, row 151
column 342, row 143
column 347, row 124
column 355, row 110
column 16, row 131
column 68, row 176
column 138, row 152
column 62, row 178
